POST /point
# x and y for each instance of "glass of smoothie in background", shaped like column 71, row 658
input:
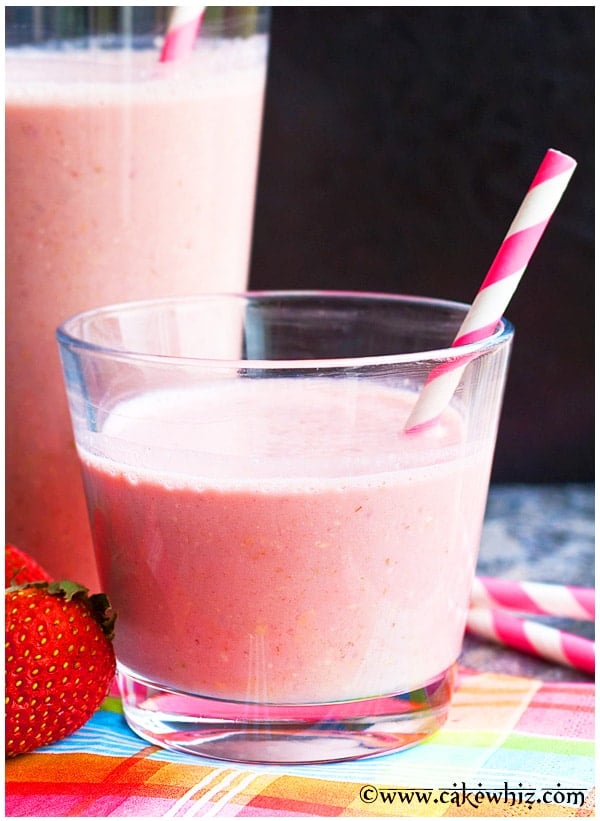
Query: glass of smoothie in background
column 291, row 568
column 126, row 178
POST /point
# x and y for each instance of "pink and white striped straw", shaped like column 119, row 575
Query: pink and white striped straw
column 499, row 285
column 531, row 637
column 566, row 601
column 182, row 31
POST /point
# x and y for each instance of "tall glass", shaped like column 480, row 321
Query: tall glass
column 291, row 569
column 126, row 178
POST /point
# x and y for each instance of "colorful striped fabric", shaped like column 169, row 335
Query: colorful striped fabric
column 511, row 746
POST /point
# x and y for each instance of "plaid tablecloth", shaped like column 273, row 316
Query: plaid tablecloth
column 511, row 746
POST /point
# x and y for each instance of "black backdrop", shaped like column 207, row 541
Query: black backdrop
column 398, row 144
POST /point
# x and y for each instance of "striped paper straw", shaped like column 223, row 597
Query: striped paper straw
column 565, row 601
column 499, row 285
column 182, row 31
column 530, row 637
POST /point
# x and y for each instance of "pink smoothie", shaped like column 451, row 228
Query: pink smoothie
column 116, row 189
column 333, row 561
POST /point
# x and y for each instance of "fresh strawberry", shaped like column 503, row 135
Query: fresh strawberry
column 59, row 661
column 20, row 567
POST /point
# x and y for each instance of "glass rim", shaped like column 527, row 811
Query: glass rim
column 60, row 25
column 67, row 338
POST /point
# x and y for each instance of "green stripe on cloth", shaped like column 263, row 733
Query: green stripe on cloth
column 558, row 746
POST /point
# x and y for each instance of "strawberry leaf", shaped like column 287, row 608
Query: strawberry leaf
column 66, row 588
column 103, row 613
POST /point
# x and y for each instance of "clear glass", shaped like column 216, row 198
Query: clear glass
column 126, row 178
column 291, row 569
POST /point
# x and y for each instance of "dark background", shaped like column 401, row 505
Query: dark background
column 398, row 144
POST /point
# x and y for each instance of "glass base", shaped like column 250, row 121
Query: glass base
column 253, row 733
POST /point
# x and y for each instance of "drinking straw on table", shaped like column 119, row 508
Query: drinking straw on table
column 500, row 283
column 531, row 637
column 566, row 601
column 182, row 31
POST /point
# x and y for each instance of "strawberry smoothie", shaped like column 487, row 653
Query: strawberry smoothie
column 124, row 180
column 259, row 547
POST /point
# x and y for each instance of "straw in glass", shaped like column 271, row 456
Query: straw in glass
column 499, row 284
column 182, row 31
